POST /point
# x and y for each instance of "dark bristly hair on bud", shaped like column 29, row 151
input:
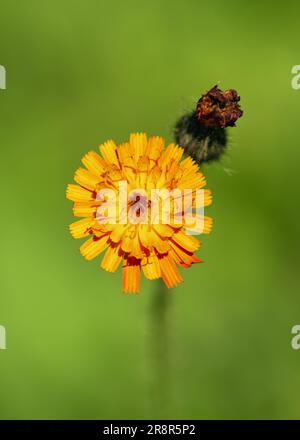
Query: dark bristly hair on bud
column 202, row 132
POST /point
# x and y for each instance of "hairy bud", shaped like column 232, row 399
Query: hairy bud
column 202, row 132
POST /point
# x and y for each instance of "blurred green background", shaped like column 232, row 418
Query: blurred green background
column 79, row 73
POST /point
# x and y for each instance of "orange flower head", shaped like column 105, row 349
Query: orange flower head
column 137, row 203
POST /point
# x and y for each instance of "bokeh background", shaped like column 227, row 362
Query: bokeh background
column 79, row 73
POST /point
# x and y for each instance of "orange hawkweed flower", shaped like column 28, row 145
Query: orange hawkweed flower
column 149, row 243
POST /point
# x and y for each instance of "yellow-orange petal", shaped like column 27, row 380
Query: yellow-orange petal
column 94, row 163
column 161, row 245
column 125, row 156
column 84, row 210
column 174, row 255
column 189, row 165
column 126, row 243
column 154, row 148
column 188, row 242
column 151, row 267
column 112, row 259
column 169, row 271
column 118, row 232
column 78, row 194
column 131, row 276
column 109, row 153
column 94, row 246
column 136, row 250
column 182, row 256
column 163, row 230
column 194, row 181
column 86, row 179
column 144, row 236
column 195, row 260
column 138, row 142
column 81, row 228
column 171, row 153
column 198, row 223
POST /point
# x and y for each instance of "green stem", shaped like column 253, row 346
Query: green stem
column 161, row 346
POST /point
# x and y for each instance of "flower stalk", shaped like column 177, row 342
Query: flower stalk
column 161, row 310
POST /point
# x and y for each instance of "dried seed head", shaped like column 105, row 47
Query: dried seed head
column 217, row 109
column 202, row 133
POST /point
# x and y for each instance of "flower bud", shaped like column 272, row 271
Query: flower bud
column 202, row 132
